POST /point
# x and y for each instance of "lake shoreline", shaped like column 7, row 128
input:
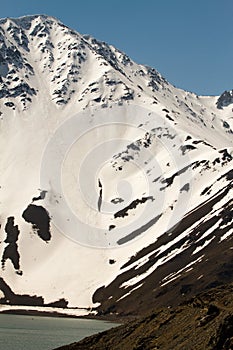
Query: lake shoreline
column 109, row 318
column 30, row 331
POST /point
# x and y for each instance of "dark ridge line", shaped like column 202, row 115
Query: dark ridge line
column 196, row 142
column 169, row 181
column 228, row 175
column 124, row 212
column 176, row 263
column 188, row 220
column 10, row 298
column 140, row 230
column 188, row 240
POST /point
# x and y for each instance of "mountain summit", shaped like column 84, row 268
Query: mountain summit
column 116, row 187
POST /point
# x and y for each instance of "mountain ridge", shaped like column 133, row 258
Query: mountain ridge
column 70, row 106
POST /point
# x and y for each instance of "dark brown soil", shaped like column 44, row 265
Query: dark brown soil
column 205, row 322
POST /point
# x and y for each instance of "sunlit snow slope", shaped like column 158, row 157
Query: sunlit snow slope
column 115, row 185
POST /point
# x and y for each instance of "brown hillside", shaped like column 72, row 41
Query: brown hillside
column 205, row 322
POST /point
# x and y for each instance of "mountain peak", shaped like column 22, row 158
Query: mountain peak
column 42, row 47
column 225, row 99
column 24, row 20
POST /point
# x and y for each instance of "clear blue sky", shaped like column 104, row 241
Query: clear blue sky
column 189, row 41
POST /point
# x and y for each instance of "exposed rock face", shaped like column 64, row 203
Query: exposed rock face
column 225, row 99
column 11, row 250
column 40, row 220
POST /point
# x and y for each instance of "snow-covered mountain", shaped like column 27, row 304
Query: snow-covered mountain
column 116, row 187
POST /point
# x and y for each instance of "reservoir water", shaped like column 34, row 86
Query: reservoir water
column 18, row 332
